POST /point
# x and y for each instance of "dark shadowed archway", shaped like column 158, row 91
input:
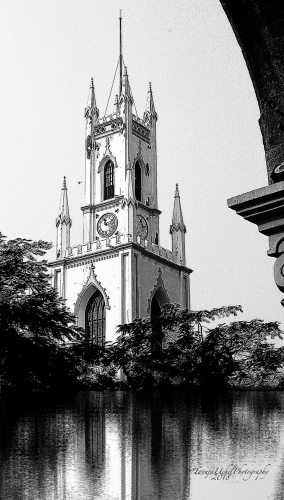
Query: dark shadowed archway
column 158, row 300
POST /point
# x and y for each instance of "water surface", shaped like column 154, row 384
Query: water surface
column 158, row 446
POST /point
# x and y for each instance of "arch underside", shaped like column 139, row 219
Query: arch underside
column 259, row 29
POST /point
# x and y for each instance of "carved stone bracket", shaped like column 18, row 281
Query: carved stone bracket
column 265, row 208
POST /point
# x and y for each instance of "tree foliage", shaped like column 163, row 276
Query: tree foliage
column 237, row 354
column 41, row 346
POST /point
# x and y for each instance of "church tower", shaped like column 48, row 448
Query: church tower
column 120, row 271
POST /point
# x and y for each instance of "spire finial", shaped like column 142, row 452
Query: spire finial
column 91, row 111
column 64, row 183
column 177, row 191
column 150, row 112
column 120, row 54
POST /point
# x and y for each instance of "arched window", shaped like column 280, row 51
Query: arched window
column 95, row 319
column 109, row 180
column 138, row 182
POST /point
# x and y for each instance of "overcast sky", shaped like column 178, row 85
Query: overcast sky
column 208, row 135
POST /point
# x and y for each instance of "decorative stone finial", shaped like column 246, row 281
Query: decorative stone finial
column 64, row 183
column 177, row 191
column 92, row 84
column 150, row 112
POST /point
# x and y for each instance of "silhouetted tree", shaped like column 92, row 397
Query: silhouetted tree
column 40, row 344
column 227, row 355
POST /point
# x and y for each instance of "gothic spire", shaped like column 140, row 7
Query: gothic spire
column 150, row 112
column 177, row 220
column 178, row 230
column 120, row 54
column 127, row 90
column 91, row 111
column 63, row 215
column 63, row 224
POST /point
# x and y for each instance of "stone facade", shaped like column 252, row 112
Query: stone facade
column 120, row 271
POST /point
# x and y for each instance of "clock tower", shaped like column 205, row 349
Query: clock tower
column 120, row 271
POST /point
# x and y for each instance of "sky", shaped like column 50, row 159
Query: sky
column 208, row 136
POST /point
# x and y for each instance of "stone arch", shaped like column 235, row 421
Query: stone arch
column 160, row 292
column 91, row 287
column 104, row 160
column 139, row 157
column 106, row 157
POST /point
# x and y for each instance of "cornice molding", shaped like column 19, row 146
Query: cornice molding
column 110, row 253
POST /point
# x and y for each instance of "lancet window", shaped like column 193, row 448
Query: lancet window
column 96, row 319
column 138, row 182
column 109, row 180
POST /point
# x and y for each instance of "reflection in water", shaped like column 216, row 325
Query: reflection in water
column 140, row 446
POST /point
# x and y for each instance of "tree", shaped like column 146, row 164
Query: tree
column 227, row 355
column 40, row 346
column 244, row 346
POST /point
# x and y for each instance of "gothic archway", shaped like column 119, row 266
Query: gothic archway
column 95, row 319
column 158, row 300
column 91, row 287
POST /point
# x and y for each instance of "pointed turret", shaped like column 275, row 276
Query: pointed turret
column 92, row 118
column 178, row 230
column 150, row 112
column 150, row 118
column 63, row 224
column 126, row 102
column 126, row 91
column 91, row 111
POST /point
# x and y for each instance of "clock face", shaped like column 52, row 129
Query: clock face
column 141, row 226
column 107, row 224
